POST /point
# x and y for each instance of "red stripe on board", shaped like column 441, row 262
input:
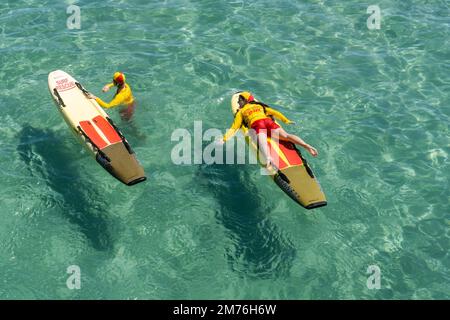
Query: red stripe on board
column 90, row 131
column 291, row 154
column 276, row 159
column 107, row 129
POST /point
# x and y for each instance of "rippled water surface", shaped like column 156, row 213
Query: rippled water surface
column 374, row 102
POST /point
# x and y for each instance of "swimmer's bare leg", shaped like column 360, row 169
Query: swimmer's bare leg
column 263, row 148
column 127, row 113
column 283, row 135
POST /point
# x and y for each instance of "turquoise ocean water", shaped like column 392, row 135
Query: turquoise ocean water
column 374, row 102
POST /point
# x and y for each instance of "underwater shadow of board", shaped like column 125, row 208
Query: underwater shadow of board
column 81, row 202
column 260, row 249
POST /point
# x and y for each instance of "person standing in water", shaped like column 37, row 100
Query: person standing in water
column 258, row 117
column 123, row 97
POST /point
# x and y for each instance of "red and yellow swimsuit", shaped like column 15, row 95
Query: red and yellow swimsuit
column 253, row 115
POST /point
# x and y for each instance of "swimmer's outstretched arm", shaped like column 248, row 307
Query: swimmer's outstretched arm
column 237, row 123
column 118, row 99
column 278, row 115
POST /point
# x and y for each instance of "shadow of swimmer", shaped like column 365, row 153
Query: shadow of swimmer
column 259, row 249
column 81, row 205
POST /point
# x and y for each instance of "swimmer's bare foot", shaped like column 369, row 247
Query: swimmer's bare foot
column 270, row 167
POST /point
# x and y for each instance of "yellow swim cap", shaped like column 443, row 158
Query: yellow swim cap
column 247, row 96
column 119, row 78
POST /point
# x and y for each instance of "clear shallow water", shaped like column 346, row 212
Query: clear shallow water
column 375, row 104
